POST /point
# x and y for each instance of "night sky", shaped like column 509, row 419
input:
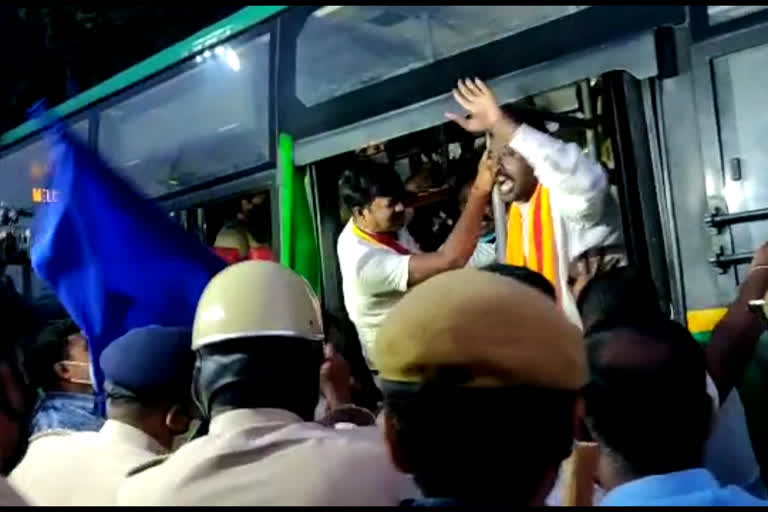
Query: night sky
column 57, row 52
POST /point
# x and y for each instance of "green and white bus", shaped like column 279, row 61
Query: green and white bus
column 275, row 100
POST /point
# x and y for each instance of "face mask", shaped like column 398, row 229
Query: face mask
column 81, row 364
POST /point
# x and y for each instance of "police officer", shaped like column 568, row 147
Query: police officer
column 481, row 384
column 148, row 373
column 258, row 342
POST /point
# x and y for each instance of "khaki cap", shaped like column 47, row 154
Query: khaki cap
column 256, row 298
column 501, row 331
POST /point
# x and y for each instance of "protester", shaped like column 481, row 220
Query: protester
column 626, row 295
column 258, row 339
column 379, row 261
column 647, row 405
column 59, row 364
column 481, row 375
column 148, row 374
column 231, row 244
column 560, row 201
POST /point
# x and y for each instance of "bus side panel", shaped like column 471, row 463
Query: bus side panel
column 298, row 243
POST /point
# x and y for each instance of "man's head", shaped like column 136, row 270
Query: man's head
column 58, row 359
column 373, row 193
column 258, row 340
column 646, row 402
column 516, row 179
column 487, row 222
column 255, row 215
column 619, row 294
column 148, row 373
column 491, row 379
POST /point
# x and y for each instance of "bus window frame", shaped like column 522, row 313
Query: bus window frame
column 702, row 29
column 570, row 35
column 268, row 27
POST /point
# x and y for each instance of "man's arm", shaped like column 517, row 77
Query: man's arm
column 460, row 245
column 735, row 337
column 383, row 271
column 578, row 180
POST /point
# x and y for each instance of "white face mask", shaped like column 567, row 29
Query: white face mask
column 88, row 381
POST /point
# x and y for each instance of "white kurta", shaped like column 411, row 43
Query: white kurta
column 584, row 213
column 256, row 457
column 81, row 468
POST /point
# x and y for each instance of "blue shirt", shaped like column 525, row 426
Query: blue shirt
column 65, row 411
column 693, row 487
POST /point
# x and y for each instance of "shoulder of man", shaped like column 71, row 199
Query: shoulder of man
column 147, row 465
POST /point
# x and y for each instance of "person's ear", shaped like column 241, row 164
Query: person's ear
column 395, row 451
column 62, row 370
column 177, row 420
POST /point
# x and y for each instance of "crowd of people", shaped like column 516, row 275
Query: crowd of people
column 553, row 377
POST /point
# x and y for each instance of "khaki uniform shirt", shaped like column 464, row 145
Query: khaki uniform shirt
column 81, row 468
column 271, row 457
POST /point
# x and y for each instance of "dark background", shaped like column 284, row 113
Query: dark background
column 58, row 52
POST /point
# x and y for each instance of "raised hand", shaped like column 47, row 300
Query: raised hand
column 480, row 102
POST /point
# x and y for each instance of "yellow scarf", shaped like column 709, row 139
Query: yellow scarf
column 542, row 250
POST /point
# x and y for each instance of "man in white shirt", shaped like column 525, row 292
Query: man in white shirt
column 378, row 258
column 147, row 372
column 560, row 201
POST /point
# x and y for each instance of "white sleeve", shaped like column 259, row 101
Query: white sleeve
column 577, row 182
column 484, row 255
column 380, row 271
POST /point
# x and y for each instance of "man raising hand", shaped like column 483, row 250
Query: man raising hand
column 560, row 206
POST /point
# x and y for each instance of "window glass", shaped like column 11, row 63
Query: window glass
column 23, row 171
column 344, row 48
column 207, row 122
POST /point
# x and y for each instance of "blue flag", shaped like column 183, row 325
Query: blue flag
column 115, row 260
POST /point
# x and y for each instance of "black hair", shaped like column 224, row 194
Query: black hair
column 454, row 439
column 616, row 295
column 366, row 181
column 49, row 347
column 524, row 275
column 272, row 372
column 527, row 115
column 132, row 409
column 646, row 401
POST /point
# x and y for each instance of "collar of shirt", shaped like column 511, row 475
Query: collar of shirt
column 267, row 420
column 657, row 487
column 124, row 433
column 65, row 411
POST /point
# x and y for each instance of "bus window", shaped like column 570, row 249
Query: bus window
column 435, row 164
column 24, row 171
column 207, row 122
column 344, row 48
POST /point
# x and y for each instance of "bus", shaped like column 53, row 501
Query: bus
column 270, row 104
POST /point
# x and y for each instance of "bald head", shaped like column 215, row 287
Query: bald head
column 646, row 401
